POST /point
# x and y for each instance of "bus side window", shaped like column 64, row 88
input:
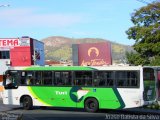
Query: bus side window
column 121, row 78
column 66, row 78
column 96, row 81
column 83, row 78
column 27, row 78
column 47, row 77
column 38, row 77
column 99, row 79
column 77, row 78
column 23, row 78
column 87, row 80
column 57, row 78
column 133, row 79
column 127, row 78
column 109, row 76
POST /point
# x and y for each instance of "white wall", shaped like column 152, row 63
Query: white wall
column 3, row 66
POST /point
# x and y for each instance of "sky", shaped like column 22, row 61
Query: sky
column 39, row 19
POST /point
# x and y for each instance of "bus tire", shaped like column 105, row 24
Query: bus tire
column 91, row 105
column 27, row 103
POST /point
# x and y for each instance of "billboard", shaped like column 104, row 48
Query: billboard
column 94, row 54
column 7, row 43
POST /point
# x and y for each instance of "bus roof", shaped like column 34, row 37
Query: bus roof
column 74, row 68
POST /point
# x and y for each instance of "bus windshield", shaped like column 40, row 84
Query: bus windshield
column 149, row 84
column 10, row 80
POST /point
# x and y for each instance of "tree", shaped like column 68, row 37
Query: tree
column 146, row 33
column 135, row 59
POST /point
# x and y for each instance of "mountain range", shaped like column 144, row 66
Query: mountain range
column 59, row 48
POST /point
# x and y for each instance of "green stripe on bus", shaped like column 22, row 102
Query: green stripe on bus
column 71, row 96
column 63, row 68
column 33, row 93
column 122, row 104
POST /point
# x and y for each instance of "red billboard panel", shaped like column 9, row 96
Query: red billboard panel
column 20, row 56
column 94, row 54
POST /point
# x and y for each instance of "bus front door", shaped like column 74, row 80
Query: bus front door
column 149, row 84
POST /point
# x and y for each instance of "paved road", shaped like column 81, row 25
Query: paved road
column 39, row 114
column 50, row 113
column 54, row 113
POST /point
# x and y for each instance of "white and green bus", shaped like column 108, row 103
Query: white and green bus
column 91, row 88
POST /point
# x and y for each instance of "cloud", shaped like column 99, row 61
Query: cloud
column 29, row 18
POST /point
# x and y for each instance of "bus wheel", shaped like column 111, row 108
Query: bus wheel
column 91, row 105
column 27, row 103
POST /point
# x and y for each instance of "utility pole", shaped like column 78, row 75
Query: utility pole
column 34, row 57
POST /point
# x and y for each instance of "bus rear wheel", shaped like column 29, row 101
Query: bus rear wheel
column 91, row 105
column 27, row 103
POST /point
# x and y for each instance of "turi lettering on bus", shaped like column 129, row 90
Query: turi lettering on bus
column 61, row 92
column 94, row 54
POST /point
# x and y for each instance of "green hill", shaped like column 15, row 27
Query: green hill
column 58, row 48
